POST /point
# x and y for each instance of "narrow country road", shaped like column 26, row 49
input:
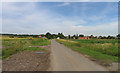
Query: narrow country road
column 64, row 59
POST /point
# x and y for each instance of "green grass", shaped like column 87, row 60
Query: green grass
column 16, row 45
column 106, row 46
column 40, row 42
column 113, row 41
column 103, row 50
column 36, row 48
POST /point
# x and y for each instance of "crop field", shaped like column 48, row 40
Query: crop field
column 105, row 50
column 11, row 46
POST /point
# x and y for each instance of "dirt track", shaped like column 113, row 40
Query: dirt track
column 27, row 61
column 64, row 59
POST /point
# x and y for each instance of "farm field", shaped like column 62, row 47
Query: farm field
column 102, row 50
column 20, row 54
column 12, row 46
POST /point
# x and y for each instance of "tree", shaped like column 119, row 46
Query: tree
column 75, row 36
column 69, row 37
column 35, row 36
column 42, row 35
column 61, row 35
column 109, row 37
column 81, row 35
column 118, row 36
column 54, row 35
column 11, row 36
column 95, row 37
column 48, row 35
column 91, row 36
column 104, row 37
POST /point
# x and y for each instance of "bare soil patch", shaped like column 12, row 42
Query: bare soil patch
column 46, row 47
column 28, row 61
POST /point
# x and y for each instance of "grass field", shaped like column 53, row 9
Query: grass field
column 14, row 45
column 103, row 50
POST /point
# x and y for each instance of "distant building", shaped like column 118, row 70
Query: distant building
column 39, row 36
column 73, row 37
column 58, row 37
column 85, row 37
column 99, row 37
column 42, row 37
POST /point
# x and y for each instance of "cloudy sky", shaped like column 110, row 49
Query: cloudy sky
column 60, row 0
column 97, row 18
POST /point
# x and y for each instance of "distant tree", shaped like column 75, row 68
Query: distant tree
column 104, row 37
column 11, row 36
column 69, row 37
column 75, row 36
column 113, row 37
column 35, row 36
column 100, row 37
column 81, row 35
column 54, row 36
column 61, row 35
column 95, row 37
column 42, row 35
column 118, row 36
column 48, row 35
column 91, row 36
column 109, row 37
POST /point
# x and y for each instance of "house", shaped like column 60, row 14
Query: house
column 42, row 36
column 39, row 36
column 73, row 37
column 99, row 37
column 58, row 37
column 85, row 37
column 80, row 37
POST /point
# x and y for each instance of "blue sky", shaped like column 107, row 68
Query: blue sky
column 97, row 18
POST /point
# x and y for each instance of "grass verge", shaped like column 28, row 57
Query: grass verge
column 89, row 49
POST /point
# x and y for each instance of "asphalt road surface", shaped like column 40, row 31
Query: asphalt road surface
column 64, row 59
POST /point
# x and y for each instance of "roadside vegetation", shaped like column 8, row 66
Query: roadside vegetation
column 11, row 46
column 104, row 50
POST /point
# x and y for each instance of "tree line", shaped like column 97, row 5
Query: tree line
column 61, row 36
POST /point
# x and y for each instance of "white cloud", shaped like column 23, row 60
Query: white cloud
column 102, row 29
column 64, row 4
column 42, row 21
column 95, row 17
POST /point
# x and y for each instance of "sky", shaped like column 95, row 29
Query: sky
column 60, row 0
column 88, row 18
